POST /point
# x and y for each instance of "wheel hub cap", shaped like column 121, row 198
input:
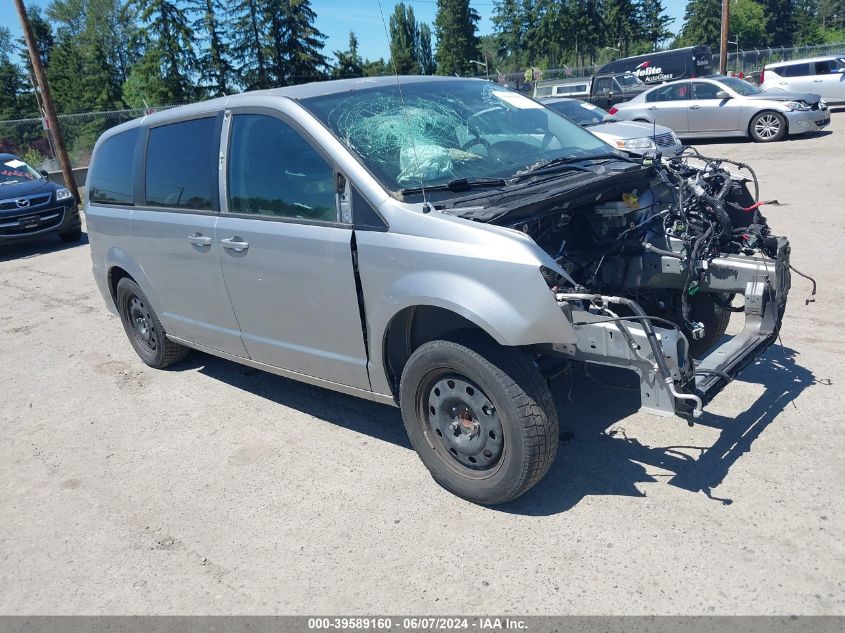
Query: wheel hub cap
column 465, row 423
column 141, row 322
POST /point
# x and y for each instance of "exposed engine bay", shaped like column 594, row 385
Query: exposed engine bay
column 653, row 259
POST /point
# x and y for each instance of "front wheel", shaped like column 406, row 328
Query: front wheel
column 74, row 235
column 767, row 127
column 480, row 416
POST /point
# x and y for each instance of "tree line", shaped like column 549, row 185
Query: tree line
column 113, row 54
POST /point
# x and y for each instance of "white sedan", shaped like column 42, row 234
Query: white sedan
column 629, row 136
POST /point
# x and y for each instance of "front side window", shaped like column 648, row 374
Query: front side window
column 603, row 85
column 110, row 180
column 829, row 66
column 181, row 165
column 435, row 131
column 703, row 90
column 274, row 171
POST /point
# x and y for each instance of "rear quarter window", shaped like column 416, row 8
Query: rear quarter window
column 110, row 180
column 181, row 165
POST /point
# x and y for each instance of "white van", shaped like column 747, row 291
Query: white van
column 824, row 76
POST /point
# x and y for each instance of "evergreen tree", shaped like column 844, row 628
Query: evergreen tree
column 297, row 44
column 654, row 23
column 247, row 45
column 215, row 69
column 43, row 33
column 168, row 29
column 349, row 62
column 509, row 25
column 781, row 24
column 404, row 40
column 11, row 83
column 455, row 25
column 621, row 24
column 702, row 24
column 425, row 54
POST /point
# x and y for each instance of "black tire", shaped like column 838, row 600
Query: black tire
column 500, row 409
column 74, row 235
column 707, row 310
column 143, row 328
column 767, row 127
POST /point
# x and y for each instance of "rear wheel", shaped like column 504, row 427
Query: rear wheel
column 143, row 328
column 767, row 127
column 480, row 416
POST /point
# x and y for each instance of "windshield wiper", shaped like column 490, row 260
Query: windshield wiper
column 570, row 162
column 457, row 185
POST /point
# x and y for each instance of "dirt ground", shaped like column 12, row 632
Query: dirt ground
column 209, row 489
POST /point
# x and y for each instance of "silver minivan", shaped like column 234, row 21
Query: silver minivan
column 438, row 244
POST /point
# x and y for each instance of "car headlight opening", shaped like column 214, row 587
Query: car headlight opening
column 635, row 143
column 63, row 194
column 797, row 105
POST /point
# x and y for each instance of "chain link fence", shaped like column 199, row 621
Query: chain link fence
column 749, row 63
column 28, row 138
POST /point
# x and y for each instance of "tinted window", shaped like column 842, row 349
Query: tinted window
column 181, row 167
column 670, row 92
column 110, row 180
column 795, row 70
column 701, row 90
column 274, row 171
column 828, row 66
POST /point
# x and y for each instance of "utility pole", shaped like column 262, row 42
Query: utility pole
column 47, row 100
column 723, row 43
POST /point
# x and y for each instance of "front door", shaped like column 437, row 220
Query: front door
column 708, row 113
column 173, row 234
column 286, row 259
column 829, row 79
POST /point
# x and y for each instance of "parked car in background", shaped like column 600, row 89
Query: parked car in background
column 579, row 88
column 663, row 66
column 609, row 89
column 726, row 106
column 631, row 136
column 31, row 205
column 824, row 76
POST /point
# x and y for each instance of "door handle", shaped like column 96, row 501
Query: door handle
column 695, row 107
column 235, row 244
column 817, row 81
column 652, row 107
column 198, row 239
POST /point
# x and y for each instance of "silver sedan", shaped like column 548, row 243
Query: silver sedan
column 726, row 106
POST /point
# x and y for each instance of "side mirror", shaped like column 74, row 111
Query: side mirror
column 44, row 173
column 722, row 95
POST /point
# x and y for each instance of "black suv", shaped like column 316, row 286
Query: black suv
column 32, row 205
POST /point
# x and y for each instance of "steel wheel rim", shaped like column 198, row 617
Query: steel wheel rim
column 142, row 324
column 767, row 126
column 462, row 424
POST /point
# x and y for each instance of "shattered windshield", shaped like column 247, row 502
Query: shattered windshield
column 437, row 131
column 13, row 170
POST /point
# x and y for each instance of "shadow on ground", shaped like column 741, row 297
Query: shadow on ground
column 596, row 457
column 33, row 247
column 744, row 139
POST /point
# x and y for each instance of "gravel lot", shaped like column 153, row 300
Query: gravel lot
column 209, row 489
